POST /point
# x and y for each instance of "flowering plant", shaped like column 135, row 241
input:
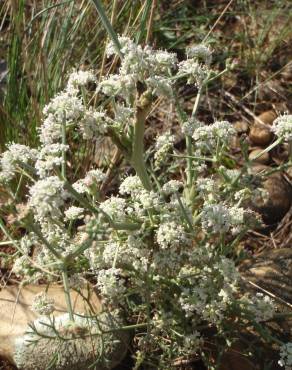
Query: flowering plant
column 161, row 248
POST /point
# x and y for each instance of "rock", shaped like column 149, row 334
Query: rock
column 241, row 126
column 263, row 159
column 16, row 312
column 267, row 117
column 260, row 134
column 234, row 359
column 87, row 342
column 279, row 198
column 271, row 270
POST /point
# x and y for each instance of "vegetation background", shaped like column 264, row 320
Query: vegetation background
column 42, row 40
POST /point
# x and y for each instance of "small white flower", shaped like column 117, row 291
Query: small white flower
column 114, row 207
column 131, row 185
column 42, row 304
column 94, row 177
column 50, row 156
column 148, row 199
column 282, row 127
column 22, row 266
column 215, row 218
column 189, row 127
column 79, row 78
column 93, row 124
column 65, row 107
column 261, row 306
column 163, row 145
column 74, row 213
column 192, row 342
column 200, row 52
column 47, row 196
column 286, row 356
column 123, row 114
column 207, row 137
column 50, row 130
column 172, row 187
column 14, row 156
column 160, row 86
column 114, row 85
column 110, row 284
column 171, row 234
column 80, row 187
column 164, row 61
column 195, row 72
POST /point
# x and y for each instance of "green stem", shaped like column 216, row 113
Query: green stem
column 96, row 210
column 44, row 241
column 8, row 236
column 63, row 170
column 67, row 294
column 184, row 213
column 275, row 143
column 137, row 158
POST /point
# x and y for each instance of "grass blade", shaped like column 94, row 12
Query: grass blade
column 107, row 25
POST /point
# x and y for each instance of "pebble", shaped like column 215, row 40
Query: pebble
column 263, row 159
column 267, row 117
column 279, row 197
column 260, row 134
column 241, row 126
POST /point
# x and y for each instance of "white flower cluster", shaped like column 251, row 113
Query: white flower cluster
column 46, row 197
column 146, row 200
column 78, row 79
column 14, row 156
column 200, row 52
column 196, row 66
column 282, row 127
column 140, row 64
column 49, row 157
column 65, row 107
column 163, row 145
column 114, row 207
column 142, row 200
column 27, row 242
column 286, row 356
column 172, row 187
column 123, row 114
column 218, row 218
column 207, row 137
column 22, row 266
column 188, row 128
column 132, row 185
column 74, row 213
column 111, row 284
column 171, row 234
column 208, row 189
column 261, row 306
column 196, row 73
column 42, row 304
column 92, row 179
column 160, row 86
column 93, row 124
column 192, row 343
column 208, row 286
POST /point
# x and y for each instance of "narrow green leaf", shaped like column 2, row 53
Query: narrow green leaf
column 107, row 25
